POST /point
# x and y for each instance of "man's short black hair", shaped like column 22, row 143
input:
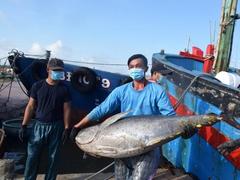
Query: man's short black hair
column 55, row 64
column 138, row 56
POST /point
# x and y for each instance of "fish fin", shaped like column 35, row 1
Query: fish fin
column 94, row 155
column 161, row 140
column 106, row 150
column 113, row 119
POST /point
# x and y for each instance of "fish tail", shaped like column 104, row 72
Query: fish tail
column 203, row 120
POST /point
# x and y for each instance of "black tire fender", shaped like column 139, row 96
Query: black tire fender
column 39, row 70
column 84, row 79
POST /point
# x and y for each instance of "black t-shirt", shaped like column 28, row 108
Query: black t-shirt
column 50, row 100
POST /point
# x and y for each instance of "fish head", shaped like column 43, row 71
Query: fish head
column 87, row 135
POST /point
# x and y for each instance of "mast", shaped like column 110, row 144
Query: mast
column 225, row 39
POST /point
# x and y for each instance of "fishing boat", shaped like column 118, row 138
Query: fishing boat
column 191, row 86
column 194, row 89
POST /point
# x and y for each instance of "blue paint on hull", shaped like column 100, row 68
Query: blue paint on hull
column 195, row 155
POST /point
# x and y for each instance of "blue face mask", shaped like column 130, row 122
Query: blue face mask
column 57, row 75
column 136, row 73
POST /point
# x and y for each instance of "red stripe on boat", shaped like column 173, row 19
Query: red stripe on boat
column 182, row 109
column 210, row 134
column 215, row 138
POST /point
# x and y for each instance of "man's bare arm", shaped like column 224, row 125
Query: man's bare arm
column 83, row 123
column 67, row 114
column 29, row 111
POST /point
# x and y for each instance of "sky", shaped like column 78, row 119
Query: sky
column 108, row 31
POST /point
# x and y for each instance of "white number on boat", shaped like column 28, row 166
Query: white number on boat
column 68, row 76
column 105, row 83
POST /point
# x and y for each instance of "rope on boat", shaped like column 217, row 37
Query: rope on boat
column 9, row 92
column 95, row 63
column 4, row 65
column 1, row 89
column 189, row 86
column 14, row 76
column 19, row 83
column 3, row 58
column 13, row 65
column 16, row 54
column 4, row 103
column 90, row 177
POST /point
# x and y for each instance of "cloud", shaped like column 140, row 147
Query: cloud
column 55, row 48
column 59, row 50
column 95, row 62
column 36, row 49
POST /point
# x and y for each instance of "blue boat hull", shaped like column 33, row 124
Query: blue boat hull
column 85, row 94
column 198, row 155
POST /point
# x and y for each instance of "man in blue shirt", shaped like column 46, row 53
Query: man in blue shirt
column 140, row 97
column 51, row 99
column 158, row 73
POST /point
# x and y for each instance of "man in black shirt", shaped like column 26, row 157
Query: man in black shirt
column 51, row 99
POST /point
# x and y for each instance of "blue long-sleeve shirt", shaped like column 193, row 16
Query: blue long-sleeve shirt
column 152, row 100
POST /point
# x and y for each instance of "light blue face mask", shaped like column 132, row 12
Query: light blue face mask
column 136, row 73
column 57, row 75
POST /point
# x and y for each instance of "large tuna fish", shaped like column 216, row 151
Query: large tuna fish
column 120, row 136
